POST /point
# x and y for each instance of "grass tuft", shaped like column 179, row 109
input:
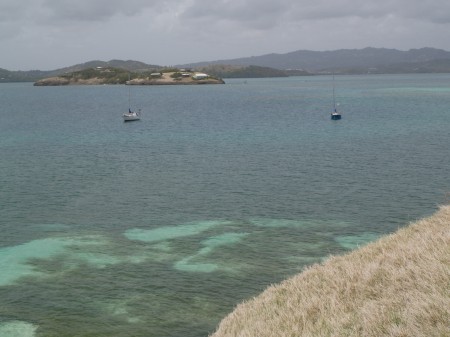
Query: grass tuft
column 396, row 286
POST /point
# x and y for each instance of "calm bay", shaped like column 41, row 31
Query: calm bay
column 161, row 227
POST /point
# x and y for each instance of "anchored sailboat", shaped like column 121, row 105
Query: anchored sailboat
column 131, row 115
column 335, row 115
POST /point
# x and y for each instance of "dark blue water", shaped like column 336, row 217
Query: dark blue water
column 160, row 227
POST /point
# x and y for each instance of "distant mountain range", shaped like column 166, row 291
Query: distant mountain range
column 367, row 60
column 301, row 62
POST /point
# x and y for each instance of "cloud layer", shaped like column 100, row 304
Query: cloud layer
column 52, row 33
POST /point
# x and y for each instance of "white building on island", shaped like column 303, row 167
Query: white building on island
column 200, row 76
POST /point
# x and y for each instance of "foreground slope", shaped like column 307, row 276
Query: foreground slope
column 396, row 286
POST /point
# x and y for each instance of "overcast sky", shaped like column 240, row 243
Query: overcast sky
column 51, row 34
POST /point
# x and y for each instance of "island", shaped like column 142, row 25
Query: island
column 110, row 75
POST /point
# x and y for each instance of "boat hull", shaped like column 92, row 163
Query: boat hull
column 335, row 117
column 129, row 117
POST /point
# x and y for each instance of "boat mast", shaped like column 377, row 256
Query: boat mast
column 334, row 96
column 129, row 92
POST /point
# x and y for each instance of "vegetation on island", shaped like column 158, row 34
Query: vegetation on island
column 107, row 75
column 110, row 75
column 396, row 286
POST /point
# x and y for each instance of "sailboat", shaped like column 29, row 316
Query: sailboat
column 335, row 115
column 131, row 115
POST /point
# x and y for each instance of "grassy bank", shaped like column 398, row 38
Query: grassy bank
column 396, row 286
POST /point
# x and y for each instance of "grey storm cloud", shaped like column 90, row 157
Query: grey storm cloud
column 93, row 10
column 238, row 11
column 245, row 12
column 85, row 29
column 437, row 11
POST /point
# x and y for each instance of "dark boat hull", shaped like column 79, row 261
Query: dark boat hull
column 335, row 117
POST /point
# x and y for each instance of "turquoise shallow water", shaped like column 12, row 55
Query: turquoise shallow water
column 160, row 227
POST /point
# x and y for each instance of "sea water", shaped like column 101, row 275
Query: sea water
column 161, row 227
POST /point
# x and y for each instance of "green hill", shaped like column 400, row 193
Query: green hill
column 110, row 75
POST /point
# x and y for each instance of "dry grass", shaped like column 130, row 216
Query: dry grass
column 396, row 286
